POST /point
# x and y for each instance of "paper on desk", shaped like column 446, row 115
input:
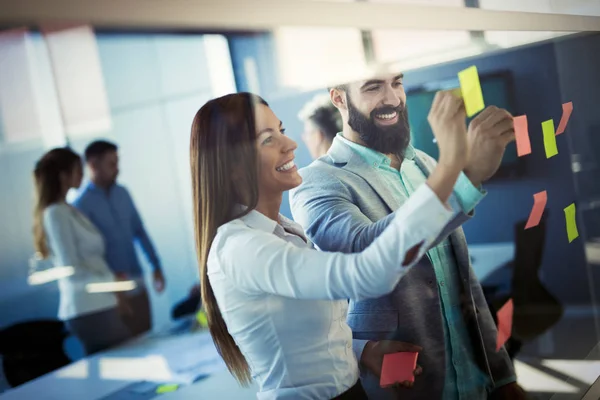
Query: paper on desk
column 471, row 90
column 522, row 135
column 567, row 110
column 184, row 358
column 570, row 217
column 549, row 138
column 398, row 367
column 505, row 318
column 539, row 204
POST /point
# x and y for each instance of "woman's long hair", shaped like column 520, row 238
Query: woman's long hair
column 48, row 188
column 224, row 166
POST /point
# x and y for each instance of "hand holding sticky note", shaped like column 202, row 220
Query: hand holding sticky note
column 549, row 138
column 471, row 90
column 522, row 135
column 567, row 110
column 398, row 368
column 505, row 318
column 539, row 204
column 570, row 217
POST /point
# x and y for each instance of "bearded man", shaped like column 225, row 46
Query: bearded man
column 349, row 196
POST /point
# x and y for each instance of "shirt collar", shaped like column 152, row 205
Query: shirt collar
column 373, row 157
column 257, row 220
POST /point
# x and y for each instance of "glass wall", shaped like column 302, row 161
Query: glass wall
column 141, row 89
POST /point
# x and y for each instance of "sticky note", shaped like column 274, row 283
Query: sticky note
column 567, row 110
column 201, row 318
column 539, row 204
column 549, row 138
column 398, row 367
column 471, row 90
column 570, row 214
column 505, row 318
column 167, row 388
column 522, row 135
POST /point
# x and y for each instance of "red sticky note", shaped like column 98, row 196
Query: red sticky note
column 398, row 367
column 505, row 318
column 567, row 110
column 539, row 204
column 522, row 135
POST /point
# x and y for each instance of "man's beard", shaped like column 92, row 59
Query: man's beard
column 392, row 139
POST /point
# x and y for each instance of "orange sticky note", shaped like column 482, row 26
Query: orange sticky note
column 567, row 110
column 398, row 367
column 539, row 204
column 505, row 318
column 522, row 135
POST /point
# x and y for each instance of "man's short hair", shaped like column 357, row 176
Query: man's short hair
column 99, row 148
column 323, row 114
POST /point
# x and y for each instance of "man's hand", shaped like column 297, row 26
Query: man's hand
column 489, row 133
column 509, row 392
column 159, row 280
column 372, row 355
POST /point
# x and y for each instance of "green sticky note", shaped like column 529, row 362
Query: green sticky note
column 570, row 213
column 167, row 388
column 471, row 90
column 549, row 138
column 201, row 318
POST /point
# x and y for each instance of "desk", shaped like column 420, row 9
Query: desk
column 162, row 358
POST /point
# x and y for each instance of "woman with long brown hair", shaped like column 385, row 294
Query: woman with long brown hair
column 69, row 239
column 276, row 308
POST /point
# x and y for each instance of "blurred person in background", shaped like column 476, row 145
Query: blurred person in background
column 347, row 200
column 322, row 121
column 110, row 207
column 276, row 307
column 69, row 239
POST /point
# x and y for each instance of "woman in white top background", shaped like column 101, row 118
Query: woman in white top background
column 69, row 239
column 277, row 308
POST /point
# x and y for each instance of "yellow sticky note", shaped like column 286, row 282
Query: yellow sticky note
column 471, row 90
column 570, row 213
column 202, row 319
column 549, row 138
column 167, row 388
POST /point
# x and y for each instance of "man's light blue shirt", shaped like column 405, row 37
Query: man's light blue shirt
column 464, row 379
column 115, row 215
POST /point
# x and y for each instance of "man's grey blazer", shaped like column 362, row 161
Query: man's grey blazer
column 343, row 205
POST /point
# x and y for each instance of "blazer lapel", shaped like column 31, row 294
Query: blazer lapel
column 341, row 153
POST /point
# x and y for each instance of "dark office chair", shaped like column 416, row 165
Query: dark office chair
column 32, row 349
column 189, row 305
column 536, row 309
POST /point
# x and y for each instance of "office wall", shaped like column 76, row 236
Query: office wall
column 155, row 85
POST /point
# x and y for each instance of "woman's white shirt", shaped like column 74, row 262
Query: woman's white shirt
column 285, row 304
column 75, row 242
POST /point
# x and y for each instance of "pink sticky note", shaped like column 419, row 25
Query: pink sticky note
column 567, row 110
column 398, row 367
column 522, row 135
column 505, row 318
column 539, row 204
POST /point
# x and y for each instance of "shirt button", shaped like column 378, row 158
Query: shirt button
column 374, row 164
column 456, row 362
column 442, row 283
